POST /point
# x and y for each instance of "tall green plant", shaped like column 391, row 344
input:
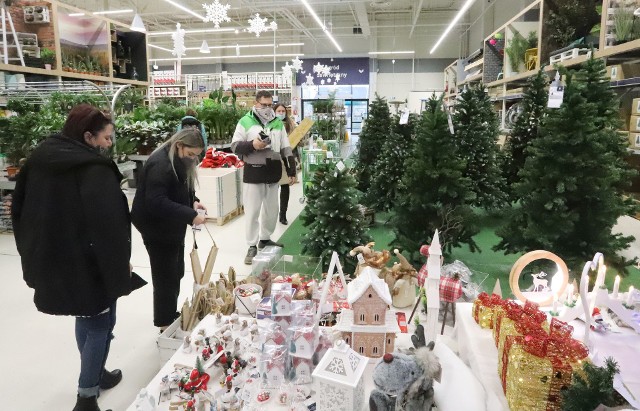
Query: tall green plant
column 516, row 49
column 623, row 21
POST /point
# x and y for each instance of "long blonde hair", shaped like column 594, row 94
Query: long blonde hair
column 191, row 138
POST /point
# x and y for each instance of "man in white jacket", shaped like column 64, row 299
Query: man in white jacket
column 261, row 141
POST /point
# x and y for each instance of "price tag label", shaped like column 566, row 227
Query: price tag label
column 360, row 258
column 329, row 154
column 556, row 96
column 451, row 129
column 340, row 166
column 404, row 118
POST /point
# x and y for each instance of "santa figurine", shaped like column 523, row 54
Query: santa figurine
column 423, row 274
column 599, row 324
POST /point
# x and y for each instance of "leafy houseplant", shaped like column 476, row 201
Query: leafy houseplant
column 516, row 49
column 624, row 24
column 48, row 56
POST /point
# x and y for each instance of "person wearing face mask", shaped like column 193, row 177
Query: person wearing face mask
column 261, row 141
column 285, row 181
column 73, row 232
column 164, row 204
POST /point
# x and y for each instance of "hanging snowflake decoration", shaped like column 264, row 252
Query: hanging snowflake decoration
column 296, row 64
column 325, row 71
column 287, row 70
column 309, row 81
column 179, row 49
column 317, row 68
column 259, row 25
column 216, row 13
column 273, row 26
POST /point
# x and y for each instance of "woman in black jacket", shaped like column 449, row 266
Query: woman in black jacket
column 165, row 203
column 73, row 232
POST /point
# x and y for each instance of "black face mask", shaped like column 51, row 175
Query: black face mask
column 189, row 162
column 103, row 151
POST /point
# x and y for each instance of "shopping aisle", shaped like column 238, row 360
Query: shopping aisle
column 40, row 361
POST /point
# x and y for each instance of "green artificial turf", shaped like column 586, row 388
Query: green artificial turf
column 487, row 265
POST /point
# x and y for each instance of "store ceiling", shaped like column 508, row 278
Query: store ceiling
column 386, row 24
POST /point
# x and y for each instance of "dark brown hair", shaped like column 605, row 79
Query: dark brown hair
column 286, row 121
column 191, row 112
column 263, row 93
column 83, row 118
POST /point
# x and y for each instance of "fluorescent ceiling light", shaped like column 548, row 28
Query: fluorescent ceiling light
column 452, row 24
column 267, row 45
column 123, row 11
column 229, row 57
column 391, row 52
column 160, row 48
column 321, row 24
column 204, row 49
column 137, row 24
column 183, row 8
column 290, row 44
column 168, row 33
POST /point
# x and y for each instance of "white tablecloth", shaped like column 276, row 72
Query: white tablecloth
column 456, row 378
column 477, row 349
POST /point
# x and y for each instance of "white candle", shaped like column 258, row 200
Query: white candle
column 629, row 296
column 555, row 303
column 616, row 288
column 570, row 294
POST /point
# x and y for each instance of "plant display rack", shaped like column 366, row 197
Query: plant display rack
column 48, row 34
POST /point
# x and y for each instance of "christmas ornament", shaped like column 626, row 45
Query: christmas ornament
column 179, row 49
column 258, row 25
column 493, row 42
column 296, row 63
column 216, row 13
column 309, row 81
column 499, row 36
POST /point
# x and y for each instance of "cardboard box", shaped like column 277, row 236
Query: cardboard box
column 619, row 72
column 615, row 72
column 634, row 141
column 635, row 106
column 634, row 123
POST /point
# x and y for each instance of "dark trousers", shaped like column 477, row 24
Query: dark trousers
column 284, row 199
column 93, row 336
column 167, row 269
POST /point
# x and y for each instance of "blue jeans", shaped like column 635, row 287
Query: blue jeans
column 93, row 336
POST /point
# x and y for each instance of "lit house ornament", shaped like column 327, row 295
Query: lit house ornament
column 340, row 386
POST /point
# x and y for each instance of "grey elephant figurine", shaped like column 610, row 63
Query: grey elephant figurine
column 404, row 381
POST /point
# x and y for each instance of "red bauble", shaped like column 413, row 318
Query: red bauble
column 493, row 42
column 194, row 374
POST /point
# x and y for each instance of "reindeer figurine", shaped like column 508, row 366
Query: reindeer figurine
column 539, row 284
column 402, row 280
column 375, row 259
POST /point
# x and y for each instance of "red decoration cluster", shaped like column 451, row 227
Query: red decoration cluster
column 218, row 159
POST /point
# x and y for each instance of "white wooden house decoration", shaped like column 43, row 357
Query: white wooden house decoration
column 281, row 303
column 304, row 342
column 338, row 379
column 369, row 326
column 302, row 368
column 274, row 368
column 434, row 265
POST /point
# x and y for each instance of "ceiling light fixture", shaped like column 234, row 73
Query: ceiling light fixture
column 290, row 44
column 160, row 48
column 229, row 57
column 321, row 24
column 168, row 33
column 183, row 8
column 392, row 52
column 137, row 24
column 452, row 24
column 123, row 11
column 204, row 48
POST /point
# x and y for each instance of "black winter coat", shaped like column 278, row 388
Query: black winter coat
column 72, row 228
column 163, row 205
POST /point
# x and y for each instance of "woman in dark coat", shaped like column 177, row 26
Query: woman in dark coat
column 73, row 232
column 165, row 203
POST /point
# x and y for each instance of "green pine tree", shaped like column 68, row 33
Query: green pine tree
column 332, row 216
column 199, row 365
column 525, row 130
column 373, row 135
column 592, row 388
column 573, row 178
column 388, row 168
column 476, row 133
column 433, row 193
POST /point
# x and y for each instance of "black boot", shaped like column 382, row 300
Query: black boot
column 283, row 219
column 87, row 404
column 110, row 379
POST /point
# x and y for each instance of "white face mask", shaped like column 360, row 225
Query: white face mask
column 281, row 116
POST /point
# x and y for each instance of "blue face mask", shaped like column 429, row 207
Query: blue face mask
column 281, row 116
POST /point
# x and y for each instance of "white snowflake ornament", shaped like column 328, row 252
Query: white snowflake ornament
column 309, row 81
column 216, row 13
column 273, row 26
column 325, row 71
column 287, row 70
column 317, row 68
column 296, row 63
column 257, row 25
column 179, row 49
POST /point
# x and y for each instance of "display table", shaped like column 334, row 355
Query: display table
column 477, row 348
column 456, row 377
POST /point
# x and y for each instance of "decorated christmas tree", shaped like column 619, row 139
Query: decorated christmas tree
column 525, row 130
column 373, row 135
column 388, row 168
column 433, row 193
column 476, row 133
column 573, row 178
column 332, row 216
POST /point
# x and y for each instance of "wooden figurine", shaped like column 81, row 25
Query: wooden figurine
column 370, row 257
column 369, row 327
column 404, row 281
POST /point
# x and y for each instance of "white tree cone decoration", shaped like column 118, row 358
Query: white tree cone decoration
column 179, row 49
column 496, row 289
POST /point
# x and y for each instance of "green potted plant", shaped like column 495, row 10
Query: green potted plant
column 516, row 50
column 48, row 56
column 623, row 22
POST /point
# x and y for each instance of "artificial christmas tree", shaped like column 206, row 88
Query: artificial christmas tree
column 572, row 181
column 592, row 387
column 332, row 217
column 525, row 130
column 373, row 135
column 433, row 193
column 388, row 168
column 476, row 133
